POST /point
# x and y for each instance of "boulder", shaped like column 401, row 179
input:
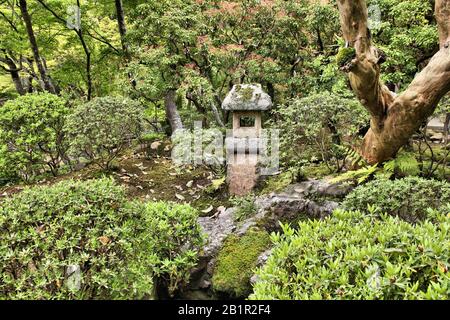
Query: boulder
column 312, row 199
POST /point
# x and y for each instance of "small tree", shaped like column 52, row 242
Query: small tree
column 31, row 135
column 318, row 126
column 102, row 128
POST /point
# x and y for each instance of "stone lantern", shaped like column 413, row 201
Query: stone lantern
column 246, row 103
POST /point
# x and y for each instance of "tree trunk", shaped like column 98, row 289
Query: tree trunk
column 34, row 47
column 172, row 114
column 393, row 118
column 217, row 115
column 123, row 32
column 87, row 53
column 122, row 27
column 13, row 70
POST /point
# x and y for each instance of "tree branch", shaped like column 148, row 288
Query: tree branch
column 442, row 13
column 365, row 70
column 394, row 118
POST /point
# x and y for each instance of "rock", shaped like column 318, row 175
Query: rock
column 308, row 199
column 217, row 230
column 320, row 188
column 247, row 97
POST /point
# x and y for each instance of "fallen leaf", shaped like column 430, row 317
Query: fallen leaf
column 155, row 145
column 208, row 210
column 179, row 196
column 104, row 240
column 189, row 184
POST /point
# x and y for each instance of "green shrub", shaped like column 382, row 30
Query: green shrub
column 352, row 255
column 244, row 207
column 316, row 127
column 236, row 262
column 409, row 198
column 171, row 232
column 102, row 128
column 31, row 135
column 119, row 247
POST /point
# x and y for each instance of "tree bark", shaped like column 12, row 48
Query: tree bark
column 34, row 47
column 122, row 27
column 13, row 70
column 172, row 114
column 123, row 32
column 393, row 118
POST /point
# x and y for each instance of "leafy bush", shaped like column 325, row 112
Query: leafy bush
column 237, row 261
column 245, row 207
column 316, row 127
column 31, row 135
column 104, row 127
column 409, row 198
column 352, row 255
column 171, row 232
column 118, row 247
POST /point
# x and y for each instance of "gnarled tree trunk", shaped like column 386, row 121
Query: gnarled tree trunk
column 394, row 118
column 172, row 114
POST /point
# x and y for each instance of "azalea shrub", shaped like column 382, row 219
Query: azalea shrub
column 101, row 129
column 31, row 135
column 354, row 255
column 409, row 198
column 84, row 240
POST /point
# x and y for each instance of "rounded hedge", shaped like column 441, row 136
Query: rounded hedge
column 83, row 240
column 101, row 129
column 352, row 255
column 31, row 135
column 408, row 198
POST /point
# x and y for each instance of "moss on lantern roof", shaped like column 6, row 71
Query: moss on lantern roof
column 247, row 97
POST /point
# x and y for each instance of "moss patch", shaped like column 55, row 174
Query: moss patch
column 316, row 171
column 344, row 56
column 237, row 261
column 278, row 183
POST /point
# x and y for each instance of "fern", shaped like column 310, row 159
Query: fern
column 360, row 175
column 405, row 164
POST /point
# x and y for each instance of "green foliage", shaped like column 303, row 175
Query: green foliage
column 152, row 136
column 236, row 262
column 360, row 175
column 172, row 233
column 312, row 127
column 279, row 182
column 244, row 207
column 120, row 247
column 408, row 198
column 102, row 128
column 31, row 135
column 406, row 34
column 352, row 255
column 404, row 164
